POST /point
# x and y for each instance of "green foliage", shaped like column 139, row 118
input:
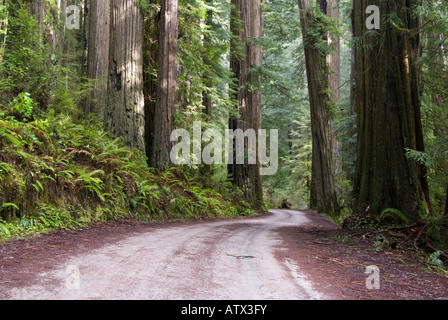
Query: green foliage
column 148, row 6
column 90, row 182
column 319, row 28
column 23, row 105
column 203, row 42
column 434, row 258
column 24, row 67
column 53, row 218
column 4, row 229
column 395, row 214
column 57, row 173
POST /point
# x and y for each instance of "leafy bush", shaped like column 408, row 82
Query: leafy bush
column 22, row 106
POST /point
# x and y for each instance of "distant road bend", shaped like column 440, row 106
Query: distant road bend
column 236, row 259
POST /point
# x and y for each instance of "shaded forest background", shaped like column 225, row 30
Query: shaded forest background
column 87, row 110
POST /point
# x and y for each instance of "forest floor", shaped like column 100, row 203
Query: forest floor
column 338, row 258
column 334, row 261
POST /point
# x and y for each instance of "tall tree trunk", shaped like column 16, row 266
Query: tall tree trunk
column 165, row 107
column 323, row 196
column 334, row 80
column 208, row 82
column 334, row 59
column 3, row 28
column 37, row 10
column 82, row 36
column 55, row 29
column 445, row 213
column 247, row 24
column 351, row 143
column 124, row 116
column 98, row 55
column 150, row 63
column 388, row 112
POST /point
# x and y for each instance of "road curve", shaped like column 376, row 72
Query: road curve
column 225, row 259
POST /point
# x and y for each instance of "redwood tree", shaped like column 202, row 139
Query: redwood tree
column 246, row 26
column 388, row 109
column 98, row 55
column 165, row 107
column 323, row 196
column 124, row 116
column 150, row 63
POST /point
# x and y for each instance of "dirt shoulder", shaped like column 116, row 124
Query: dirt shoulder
column 21, row 260
column 336, row 262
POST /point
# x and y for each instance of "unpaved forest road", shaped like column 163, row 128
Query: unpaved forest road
column 225, row 259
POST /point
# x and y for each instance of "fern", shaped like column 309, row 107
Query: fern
column 90, row 182
column 420, row 157
column 4, row 229
column 67, row 175
column 5, row 169
column 394, row 214
column 12, row 139
column 38, row 186
column 8, row 204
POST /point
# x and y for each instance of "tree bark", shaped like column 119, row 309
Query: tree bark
column 247, row 24
column 55, row 30
column 98, row 55
column 37, row 10
column 334, row 80
column 334, row 59
column 208, row 82
column 323, row 196
column 3, row 29
column 151, row 58
column 124, row 116
column 165, row 107
column 445, row 213
column 388, row 112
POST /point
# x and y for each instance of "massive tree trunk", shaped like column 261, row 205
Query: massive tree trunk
column 247, row 24
column 323, row 196
column 163, row 118
column 98, row 55
column 388, row 111
column 124, row 116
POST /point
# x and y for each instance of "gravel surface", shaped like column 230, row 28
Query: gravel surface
column 285, row 255
column 226, row 259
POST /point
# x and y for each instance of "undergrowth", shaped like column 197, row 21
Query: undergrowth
column 56, row 173
column 427, row 237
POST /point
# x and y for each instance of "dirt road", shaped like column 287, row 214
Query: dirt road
column 227, row 259
column 284, row 255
